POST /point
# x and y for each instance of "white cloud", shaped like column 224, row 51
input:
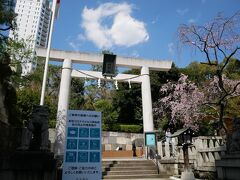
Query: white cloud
column 135, row 54
column 170, row 48
column 192, row 20
column 75, row 46
column 155, row 20
column 81, row 37
column 124, row 30
column 182, row 11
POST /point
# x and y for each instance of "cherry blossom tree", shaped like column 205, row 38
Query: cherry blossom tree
column 182, row 100
column 214, row 94
column 219, row 41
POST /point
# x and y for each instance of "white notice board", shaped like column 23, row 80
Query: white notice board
column 83, row 150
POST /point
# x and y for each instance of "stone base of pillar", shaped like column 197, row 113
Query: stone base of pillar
column 187, row 175
column 28, row 165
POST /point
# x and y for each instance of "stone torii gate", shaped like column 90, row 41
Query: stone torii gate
column 69, row 57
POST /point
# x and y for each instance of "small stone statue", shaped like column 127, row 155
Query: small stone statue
column 235, row 142
column 35, row 137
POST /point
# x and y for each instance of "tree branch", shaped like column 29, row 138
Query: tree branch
column 235, row 88
column 229, row 57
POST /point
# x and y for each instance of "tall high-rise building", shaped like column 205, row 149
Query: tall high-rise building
column 33, row 24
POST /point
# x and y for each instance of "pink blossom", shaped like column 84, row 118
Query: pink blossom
column 184, row 101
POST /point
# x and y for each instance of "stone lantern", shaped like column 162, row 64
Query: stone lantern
column 185, row 139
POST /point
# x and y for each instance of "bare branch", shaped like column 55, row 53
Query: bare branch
column 210, row 105
column 221, row 84
column 212, row 64
column 229, row 57
column 234, row 88
column 232, row 96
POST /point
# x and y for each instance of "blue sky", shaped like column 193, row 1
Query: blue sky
column 134, row 28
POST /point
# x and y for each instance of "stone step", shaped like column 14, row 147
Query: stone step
column 108, row 162
column 140, row 168
column 134, row 165
column 132, row 168
column 132, row 172
column 108, row 165
column 134, row 162
column 141, row 176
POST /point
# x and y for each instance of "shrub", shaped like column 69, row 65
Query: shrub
column 129, row 128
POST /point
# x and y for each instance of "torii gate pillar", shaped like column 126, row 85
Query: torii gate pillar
column 63, row 102
column 146, row 100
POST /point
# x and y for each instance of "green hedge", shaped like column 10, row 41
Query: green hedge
column 129, row 128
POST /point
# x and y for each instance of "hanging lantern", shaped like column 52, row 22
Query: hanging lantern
column 109, row 65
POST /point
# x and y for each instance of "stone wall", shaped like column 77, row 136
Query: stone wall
column 28, row 165
column 3, row 113
column 22, row 165
column 203, row 154
column 10, row 138
column 112, row 140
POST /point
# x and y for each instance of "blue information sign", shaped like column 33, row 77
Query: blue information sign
column 82, row 156
column 150, row 138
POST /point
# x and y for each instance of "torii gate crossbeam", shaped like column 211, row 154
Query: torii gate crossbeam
column 69, row 57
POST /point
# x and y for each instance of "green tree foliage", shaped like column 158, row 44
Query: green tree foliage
column 29, row 93
column 159, row 78
column 109, row 114
column 98, row 96
column 101, row 99
column 7, row 22
column 129, row 102
column 12, row 52
column 232, row 69
column 202, row 74
column 26, row 99
column 7, row 15
column 77, row 94
column 199, row 73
